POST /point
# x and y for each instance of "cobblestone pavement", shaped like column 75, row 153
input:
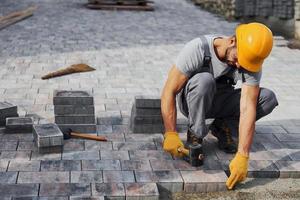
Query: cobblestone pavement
column 132, row 52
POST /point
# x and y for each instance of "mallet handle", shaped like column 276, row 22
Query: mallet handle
column 88, row 136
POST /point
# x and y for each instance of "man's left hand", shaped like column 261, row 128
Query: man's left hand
column 238, row 170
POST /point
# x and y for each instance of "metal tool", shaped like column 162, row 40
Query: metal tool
column 194, row 154
column 69, row 134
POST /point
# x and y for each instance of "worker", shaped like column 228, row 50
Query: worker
column 202, row 82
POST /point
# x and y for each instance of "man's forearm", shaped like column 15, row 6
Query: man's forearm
column 246, row 129
column 169, row 112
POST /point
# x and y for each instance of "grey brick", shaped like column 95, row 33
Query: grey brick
column 179, row 165
column 74, row 110
column 87, row 198
column 17, row 190
column 73, row 145
column 12, row 145
column 101, row 165
column 19, row 125
column 63, row 97
column 278, row 154
column 24, row 166
column 109, row 190
column 269, row 141
column 147, row 111
column 81, row 155
column 147, row 128
column 60, row 165
column 134, row 146
column 291, row 145
column 169, row 180
column 149, row 155
column 110, row 176
column 82, row 128
column 288, row 169
column 46, row 156
column 261, row 129
column 50, row 149
column 43, row 177
column 294, row 154
column 64, row 189
column 15, row 155
column 27, row 146
column 47, row 135
column 75, row 119
column 114, row 155
column 3, row 165
column 288, row 137
column 141, row 191
column 161, row 165
column 204, row 180
column 7, row 110
column 96, row 145
column 135, row 165
column 109, row 118
column 147, row 102
column 152, row 119
column 144, row 137
column 86, row 177
column 262, row 169
column 17, row 137
column 8, row 177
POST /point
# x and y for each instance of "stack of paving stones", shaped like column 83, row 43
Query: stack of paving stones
column 74, row 110
column 283, row 9
column 7, row 110
column 146, row 115
column 48, row 138
column 19, row 125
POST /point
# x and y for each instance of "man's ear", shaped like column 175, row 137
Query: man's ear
column 232, row 41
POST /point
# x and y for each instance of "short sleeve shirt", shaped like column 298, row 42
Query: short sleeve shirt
column 190, row 61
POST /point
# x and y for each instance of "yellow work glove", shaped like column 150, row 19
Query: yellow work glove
column 238, row 170
column 171, row 144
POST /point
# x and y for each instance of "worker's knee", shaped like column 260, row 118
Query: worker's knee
column 267, row 100
column 202, row 84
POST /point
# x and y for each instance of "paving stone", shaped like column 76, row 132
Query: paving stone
column 47, row 135
column 75, row 119
column 288, row 137
column 19, row 125
column 27, row 146
column 15, row 155
column 73, row 145
column 147, row 102
column 147, row 128
column 204, row 180
column 82, row 128
column 17, row 190
column 269, row 141
column 3, row 165
column 7, row 110
column 109, row 118
column 64, row 189
column 60, row 165
column 141, row 191
column 169, row 180
column 104, row 129
column 143, row 137
column 24, row 166
column 147, row 111
column 40, row 198
column 17, row 137
column 277, row 154
column 134, row 146
column 46, row 156
column 292, row 129
column 81, row 155
column 110, row 176
column 86, row 177
column 262, row 169
column 109, row 190
column 288, row 169
column 160, row 165
column 291, row 145
column 295, row 155
column 152, row 119
column 135, row 165
column 101, row 165
column 149, row 155
column 51, row 149
column 260, row 129
column 74, row 110
column 87, row 198
column 63, row 97
column 114, row 155
column 43, row 177
column 96, row 145
column 12, row 145
column 8, row 177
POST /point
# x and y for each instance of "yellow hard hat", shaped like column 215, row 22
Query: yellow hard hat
column 254, row 44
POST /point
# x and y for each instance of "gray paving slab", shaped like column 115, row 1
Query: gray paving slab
column 117, row 176
column 7, row 110
column 147, row 101
column 31, row 166
column 12, row 145
column 141, row 191
column 17, row 190
column 74, row 110
column 134, row 146
column 149, row 155
column 81, row 155
column 101, row 165
column 86, row 177
column 64, row 189
column 44, row 177
column 110, row 190
column 74, row 145
column 19, row 125
column 64, row 97
column 96, row 145
column 8, row 177
column 114, row 155
column 3, row 165
column 288, row 169
column 15, row 155
column 135, row 165
column 60, row 165
column 47, row 135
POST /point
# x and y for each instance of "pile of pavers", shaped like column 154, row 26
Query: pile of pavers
column 74, row 110
column 7, row 110
column 146, row 115
column 19, row 125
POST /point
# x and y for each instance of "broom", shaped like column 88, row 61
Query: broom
column 77, row 68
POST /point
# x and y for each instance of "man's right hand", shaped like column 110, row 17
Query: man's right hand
column 171, row 144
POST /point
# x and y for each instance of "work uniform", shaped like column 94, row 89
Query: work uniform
column 210, row 92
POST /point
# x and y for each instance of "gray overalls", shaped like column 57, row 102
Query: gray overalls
column 203, row 97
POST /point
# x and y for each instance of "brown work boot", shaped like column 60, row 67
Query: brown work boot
column 192, row 139
column 220, row 130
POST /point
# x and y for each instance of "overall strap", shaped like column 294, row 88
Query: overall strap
column 207, row 56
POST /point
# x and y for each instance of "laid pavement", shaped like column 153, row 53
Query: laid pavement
column 132, row 53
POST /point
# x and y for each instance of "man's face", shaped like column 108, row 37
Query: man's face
column 231, row 56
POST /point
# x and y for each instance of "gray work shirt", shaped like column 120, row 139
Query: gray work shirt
column 190, row 61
